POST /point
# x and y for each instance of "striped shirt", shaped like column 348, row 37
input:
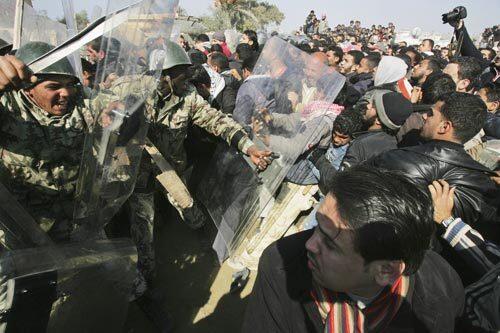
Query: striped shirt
column 482, row 306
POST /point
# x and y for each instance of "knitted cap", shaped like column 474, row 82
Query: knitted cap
column 392, row 108
column 219, row 35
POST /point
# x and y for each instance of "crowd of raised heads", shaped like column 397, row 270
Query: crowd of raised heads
column 377, row 157
column 426, row 111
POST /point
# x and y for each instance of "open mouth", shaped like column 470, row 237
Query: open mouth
column 61, row 106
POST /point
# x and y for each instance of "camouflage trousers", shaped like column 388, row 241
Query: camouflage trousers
column 142, row 213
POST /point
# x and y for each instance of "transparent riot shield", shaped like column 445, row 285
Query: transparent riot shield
column 18, row 229
column 83, row 288
column 47, row 287
column 37, row 26
column 287, row 104
column 7, row 11
column 122, row 102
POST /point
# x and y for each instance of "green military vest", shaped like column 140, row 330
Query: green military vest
column 40, row 156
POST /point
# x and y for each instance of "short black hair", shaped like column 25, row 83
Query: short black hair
column 417, row 56
column 202, row 38
column 469, row 68
column 348, row 122
column 87, row 66
column 197, row 74
column 493, row 53
column 391, row 217
column 252, row 35
column 197, row 57
column 244, row 51
column 436, row 85
column 492, row 93
column 430, row 41
column 219, row 59
column 249, row 63
column 357, row 55
column 466, row 112
column 216, row 48
column 337, row 51
column 433, row 64
column 373, row 59
column 109, row 45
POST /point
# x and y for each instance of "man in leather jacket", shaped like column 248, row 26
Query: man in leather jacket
column 455, row 119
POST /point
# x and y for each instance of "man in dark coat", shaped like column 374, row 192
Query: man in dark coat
column 384, row 115
column 455, row 119
column 366, row 265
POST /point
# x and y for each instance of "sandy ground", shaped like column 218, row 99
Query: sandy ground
column 193, row 283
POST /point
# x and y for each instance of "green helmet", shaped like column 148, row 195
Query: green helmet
column 173, row 56
column 4, row 47
column 34, row 50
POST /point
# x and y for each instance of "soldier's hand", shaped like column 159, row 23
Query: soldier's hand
column 261, row 158
column 14, row 74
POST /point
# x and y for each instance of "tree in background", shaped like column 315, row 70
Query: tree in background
column 81, row 18
column 242, row 15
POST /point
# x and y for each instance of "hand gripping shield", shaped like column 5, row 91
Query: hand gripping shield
column 122, row 101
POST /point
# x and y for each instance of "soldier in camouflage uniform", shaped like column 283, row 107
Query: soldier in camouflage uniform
column 177, row 106
column 42, row 129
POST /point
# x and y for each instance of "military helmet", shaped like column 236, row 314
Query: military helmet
column 33, row 50
column 172, row 56
column 5, row 47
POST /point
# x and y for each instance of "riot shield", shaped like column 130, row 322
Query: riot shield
column 122, row 101
column 18, row 227
column 38, row 27
column 287, row 106
column 83, row 288
column 7, row 11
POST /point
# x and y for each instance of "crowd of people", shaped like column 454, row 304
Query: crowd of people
column 401, row 144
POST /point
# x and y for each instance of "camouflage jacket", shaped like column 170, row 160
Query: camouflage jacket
column 40, row 156
column 175, row 114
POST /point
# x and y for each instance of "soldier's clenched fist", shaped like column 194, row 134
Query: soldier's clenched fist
column 13, row 74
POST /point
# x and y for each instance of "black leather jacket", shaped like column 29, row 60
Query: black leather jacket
column 477, row 198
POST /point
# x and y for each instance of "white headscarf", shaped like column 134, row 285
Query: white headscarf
column 390, row 69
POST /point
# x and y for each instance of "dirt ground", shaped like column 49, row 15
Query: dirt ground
column 195, row 286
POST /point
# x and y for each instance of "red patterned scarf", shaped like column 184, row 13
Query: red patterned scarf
column 342, row 315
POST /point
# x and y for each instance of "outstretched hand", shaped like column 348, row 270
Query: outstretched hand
column 261, row 158
column 442, row 198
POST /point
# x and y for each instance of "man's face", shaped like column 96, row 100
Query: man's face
column 245, row 40
column 444, row 53
column 421, row 70
column 88, row 79
column 348, row 65
column 92, row 55
column 333, row 260
column 212, row 65
column 432, row 122
column 486, row 54
column 425, row 46
column 56, row 97
column 333, row 60
column 412, row 57
column 491, row 106
column 364, row 67
column 340, row 139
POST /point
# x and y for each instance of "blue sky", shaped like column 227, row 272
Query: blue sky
column 405, row 14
